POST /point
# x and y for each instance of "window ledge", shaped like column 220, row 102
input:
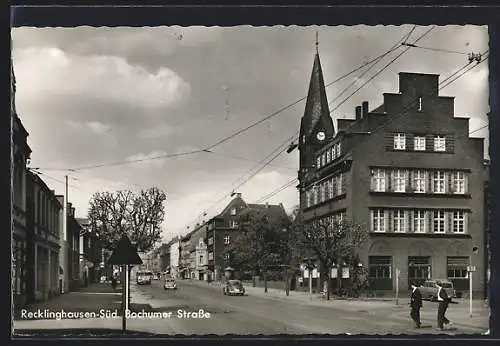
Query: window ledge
column 421, row 194
column 422, row 235
column 336, row 198
column 420, row 151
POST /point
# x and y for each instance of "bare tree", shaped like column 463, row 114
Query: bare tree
column 332, row 241
column 123, row 212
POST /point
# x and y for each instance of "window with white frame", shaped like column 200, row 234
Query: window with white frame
column 339, row 151
column 227, row 239
column 458, row 182
column 419, row 178
column 332, row 152
column 419, row 221
column 399, row 180
column 331, row 186
column 378, row 220
column 399, row 141
column 226, row 257
column 322, row 191
column 439, row 221
column 210, row 241
column 339, row 184
column 234, row 224
column 439, row 143
column 420, row 104
column 233, row 211
column 419, row 143
column 378, row 180
column 399, row 221
column 323, row 159
column 318, row 162
column 439, row 182
column 328, row 156
column 308, row 198
column 315, row 194
column 459, row 221
column 210, row 256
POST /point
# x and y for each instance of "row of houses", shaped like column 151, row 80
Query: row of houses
column 200, row 254
column 46, row 260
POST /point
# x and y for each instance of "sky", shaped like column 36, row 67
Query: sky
column 92, row 96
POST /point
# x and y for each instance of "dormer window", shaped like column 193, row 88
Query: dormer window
column 399, row 141
column 420, row 104
column 233, row 211
column 439, row 143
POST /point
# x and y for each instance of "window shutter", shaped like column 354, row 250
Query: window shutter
column 392, row 182
column 374, row 183
column 387, row 177
column 411, row 221
column 407, row 221
column 390, row 215
column 449, row 217
column 386, row 220
column 466, row 222
column 407, row 181
column 430, row 221
column 448, row 176
column 372, row 223
column 466, row 182
column 431, row 181
column 410, row 142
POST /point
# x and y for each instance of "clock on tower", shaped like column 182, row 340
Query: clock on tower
column 320, row 136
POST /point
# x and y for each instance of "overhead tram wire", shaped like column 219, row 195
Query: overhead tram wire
column 225, row 139
column 393, row 48
column 396, row 46
column 276, row 191
column 435, row 49
column 381, row 70
column 401, row 113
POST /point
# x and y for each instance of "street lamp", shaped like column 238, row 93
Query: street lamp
column 470, row 270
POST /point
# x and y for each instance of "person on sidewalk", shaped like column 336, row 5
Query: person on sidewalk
column 416, row 304
column 113, row 282
column 443, row 301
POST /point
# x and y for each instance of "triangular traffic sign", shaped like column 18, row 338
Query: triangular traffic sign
column 124, row 253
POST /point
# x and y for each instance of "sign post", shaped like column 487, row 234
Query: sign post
column 470, row 270
column 125, row 254
column 397, row 286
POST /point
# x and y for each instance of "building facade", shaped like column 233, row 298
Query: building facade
column 43, row 210
column 407, row 171
column 220, row 230
column 90, row 253
column 20, row 154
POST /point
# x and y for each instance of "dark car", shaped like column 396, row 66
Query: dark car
column 429, row 289
column 233, row 288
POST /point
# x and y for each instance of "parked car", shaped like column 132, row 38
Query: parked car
column 429, row 289
column 170, row 284
column 233, row 287
column 144, row 278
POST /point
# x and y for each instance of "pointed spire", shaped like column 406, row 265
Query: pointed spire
column 317, row 42
column 317, row 113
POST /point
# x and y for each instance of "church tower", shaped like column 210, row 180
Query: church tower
column 316, row 127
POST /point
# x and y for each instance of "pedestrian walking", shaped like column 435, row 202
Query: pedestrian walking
column 416, row 304
column 113, row 282
column 443, row 301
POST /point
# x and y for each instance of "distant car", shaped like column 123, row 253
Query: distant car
column 429, row 290
column 170, row 284
column 144, row 278
column 233, row 288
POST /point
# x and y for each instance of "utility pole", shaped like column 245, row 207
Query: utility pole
column 65, row 232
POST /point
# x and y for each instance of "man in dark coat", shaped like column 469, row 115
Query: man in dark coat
column 416, row 304
column 443, row 301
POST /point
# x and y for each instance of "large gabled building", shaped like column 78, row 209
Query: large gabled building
column 409, row 172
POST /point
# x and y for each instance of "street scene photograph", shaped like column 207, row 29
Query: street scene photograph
column 279, row 180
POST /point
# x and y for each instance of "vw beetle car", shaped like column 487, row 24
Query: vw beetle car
column 233, row 288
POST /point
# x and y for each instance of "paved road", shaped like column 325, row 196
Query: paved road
column 259, row 315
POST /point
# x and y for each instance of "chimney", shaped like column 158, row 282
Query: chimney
column 365, row 109
column 358, row 112
column 238, row 195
